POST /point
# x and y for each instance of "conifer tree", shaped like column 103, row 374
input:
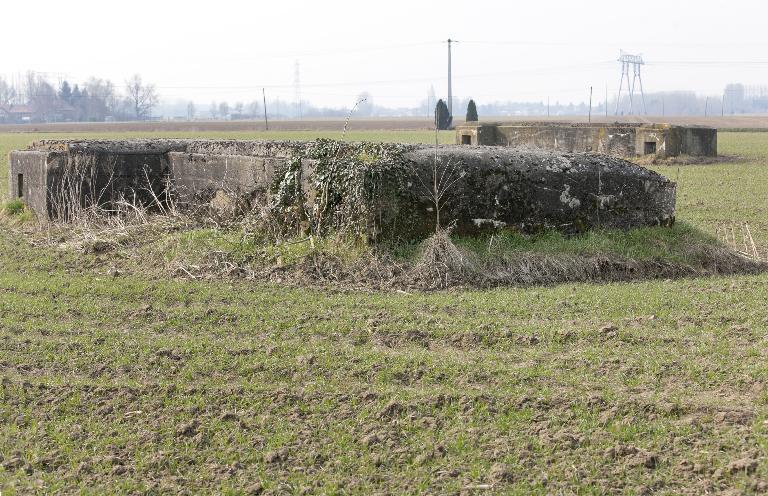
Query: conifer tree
column 471, row 111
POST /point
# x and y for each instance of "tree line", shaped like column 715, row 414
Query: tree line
column 35, row 99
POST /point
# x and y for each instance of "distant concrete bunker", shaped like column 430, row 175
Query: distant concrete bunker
column 382, row 190
column 620, row 139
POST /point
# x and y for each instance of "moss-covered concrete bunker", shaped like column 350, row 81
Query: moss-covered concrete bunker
column 376, row 190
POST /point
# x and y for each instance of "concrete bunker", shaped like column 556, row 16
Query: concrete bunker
column 379, row 190
column 620, row 139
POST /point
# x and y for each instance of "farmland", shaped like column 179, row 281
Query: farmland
column 140, row 382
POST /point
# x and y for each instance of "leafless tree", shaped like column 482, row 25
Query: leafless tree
column 253, row 109
column 142, row 97
column 100, row 99
column 41, row 96
column 239, row 109
column 224, row 110
column 444, row 175
column 7, row 95
column 190, row 111
column 214, row 110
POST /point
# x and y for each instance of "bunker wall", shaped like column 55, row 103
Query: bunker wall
column 28, row 179
column 530, row 190
column 620, row 139
column 199, row 174
column 698, row 142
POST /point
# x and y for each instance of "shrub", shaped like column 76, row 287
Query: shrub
column 14, row 207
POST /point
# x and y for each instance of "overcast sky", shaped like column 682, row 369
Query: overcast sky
column 522, row 51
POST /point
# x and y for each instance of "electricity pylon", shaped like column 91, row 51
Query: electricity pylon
column 635, row 61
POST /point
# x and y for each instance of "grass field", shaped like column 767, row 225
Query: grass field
column 129, row 383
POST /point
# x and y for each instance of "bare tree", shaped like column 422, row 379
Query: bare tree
column 98, row 99
column 214, row 110
column 190, row 111
column 41, row 96
column 7, row 95
column 253, row 109
column 445, row 174
column 224, row 109
column 239, row 109
column 142, row 97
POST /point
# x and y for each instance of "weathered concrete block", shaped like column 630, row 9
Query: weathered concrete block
column 624, row 140
column 197, row 175
column 530, row 190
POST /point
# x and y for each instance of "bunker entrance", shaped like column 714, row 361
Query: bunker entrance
column 466, row 139
column 20, row 185
column 650, row 147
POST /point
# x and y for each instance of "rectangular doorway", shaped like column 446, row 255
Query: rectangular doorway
column 650, row 148
column 20, row 185
column 466, row 139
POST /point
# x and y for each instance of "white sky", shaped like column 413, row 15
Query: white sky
column 522, row 51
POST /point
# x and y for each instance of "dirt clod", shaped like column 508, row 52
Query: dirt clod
column 254, row 489
column 609, row 331
column 392, row 409
column 189, row 429
column 370, row 439
column 501, row 472
column 743, row 465
column 276, row 456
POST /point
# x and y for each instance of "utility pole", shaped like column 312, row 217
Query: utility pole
column 266, row 122
column 590, row 104
column 450, row 91
column 297, row 88
column 706, row 106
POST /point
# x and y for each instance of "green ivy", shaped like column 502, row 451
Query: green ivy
column 348, row 183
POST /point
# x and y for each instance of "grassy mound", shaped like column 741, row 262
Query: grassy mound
column 160, row 246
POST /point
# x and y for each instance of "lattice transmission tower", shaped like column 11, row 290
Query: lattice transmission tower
column 636, row 61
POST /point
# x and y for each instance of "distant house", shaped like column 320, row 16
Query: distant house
column 21, row 113
column 55, row 112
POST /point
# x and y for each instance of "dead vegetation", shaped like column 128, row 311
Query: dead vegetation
column 201, row 245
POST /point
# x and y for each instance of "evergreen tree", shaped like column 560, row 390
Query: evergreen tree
column 65, row 92
column 471, row 111
column 442, row 118
column 76, row 96
column 81, row 101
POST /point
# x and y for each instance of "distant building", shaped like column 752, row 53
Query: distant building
column 22, row 114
